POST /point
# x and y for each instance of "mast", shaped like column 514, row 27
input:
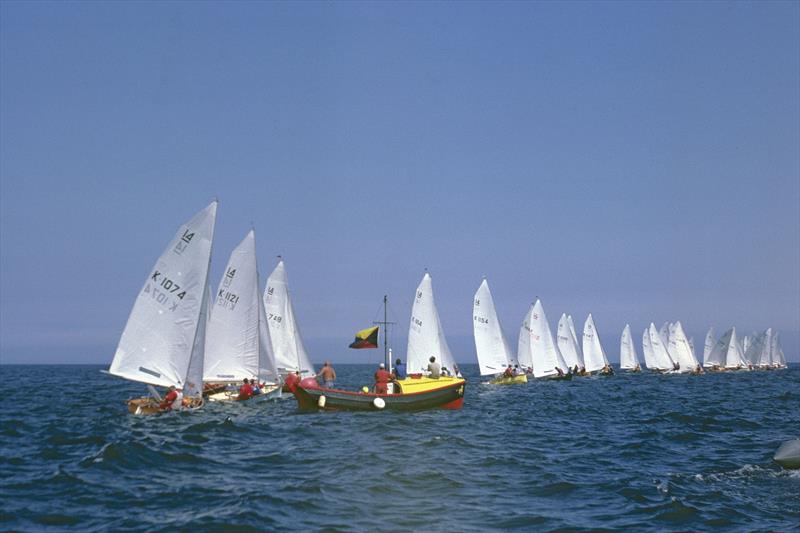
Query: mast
column 385, row 325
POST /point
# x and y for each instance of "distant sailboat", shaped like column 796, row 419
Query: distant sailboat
column 708, row 347
column 759, row 351
column 524, row 343
column 594, row 356
column 575, row 342
column 287, row 344
column 238, row 345
column 567, row 344
column 663, row 333
column 163, row 340
column 776, row 353
column 547, row 359
column 647, row 351
column 662, row 361
column 727, row 352
column 628, row 360
column 494, row 354
column 680, row 350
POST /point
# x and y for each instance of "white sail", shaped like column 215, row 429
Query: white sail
column 746, row 340
column 776, row 353
column 661, row 356
column 567, row 344
column 425, row 334
column 691, row 347
column 647, row 350
column 267, row 366
column 544, row 350
column 679, row 349
column 524, row 344
column 594, row 357
column 193, row 387
column 575, row 340
column 232, row 340
column 663, row 333
column 708, row 348
column 734, row 358
column 494, row 354
column 159, row 339
column 759, row 349
column 287, row 344
column 628, row 359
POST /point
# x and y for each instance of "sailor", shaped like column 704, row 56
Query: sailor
column 509, row 372
column 382, row 379
column 172, row 400
column 245, row 391
column 517, row 370
column 328, row 375
column 399, row 369
column 434, row 368
column 560, row 372
column 256, row 386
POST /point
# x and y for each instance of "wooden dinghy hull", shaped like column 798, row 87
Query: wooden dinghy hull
column 151, row 406
column 272, row 392
column 414, row 395
column 513, row 380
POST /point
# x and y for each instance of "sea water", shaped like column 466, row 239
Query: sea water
column 649, row 452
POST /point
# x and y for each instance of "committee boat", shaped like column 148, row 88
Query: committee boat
column 163, row 342
column 419, row 390
column 238, row 345
column 495, row 357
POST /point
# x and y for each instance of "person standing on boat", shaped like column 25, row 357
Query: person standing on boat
column 434, row 368
column 328, row 375
column 382, row 379
column 172, row 400
column 399, row 369
column 245, row 391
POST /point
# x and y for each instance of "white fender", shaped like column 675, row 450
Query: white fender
column 379, row 403
column 321, row 401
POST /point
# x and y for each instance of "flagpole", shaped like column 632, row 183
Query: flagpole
column 386, row 334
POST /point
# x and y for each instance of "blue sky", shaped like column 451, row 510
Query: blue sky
column 636, row 160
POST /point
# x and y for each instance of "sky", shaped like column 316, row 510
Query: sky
column 636, row 160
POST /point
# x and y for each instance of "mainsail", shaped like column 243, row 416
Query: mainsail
column 524, row 344
column 494, row 354
column 708, row 348
column 661, row 356
column 287, row 344
column 425, row 334
column 160, row 339
column 593, row 354
column 647, row 350
column 235, row 348
column 544, row 350
column 575, row 340
column 567, row 344
column 628, row 359
column 680, row 350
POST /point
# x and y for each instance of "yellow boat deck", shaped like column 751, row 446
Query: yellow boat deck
column 424, row 383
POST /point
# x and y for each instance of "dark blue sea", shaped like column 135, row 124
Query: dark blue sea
column 648, row 452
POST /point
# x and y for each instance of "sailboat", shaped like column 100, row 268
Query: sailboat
column 727, row 353
column 494, row 354
column 759, row 352
column 415, row 392
column 594, row 356
column 708, row 347
column 238, row 345
column 524, row 343
column 776, row 352
column 163, row 341
column 628, row 360
column 287, row 344
column 662, row 361
column 544, row 353
column 568, row 344
column 680, row 351
column 647, row 351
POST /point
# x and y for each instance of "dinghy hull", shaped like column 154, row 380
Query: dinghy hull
column 514, row 380
column 414, row 395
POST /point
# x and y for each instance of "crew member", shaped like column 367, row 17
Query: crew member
column 399, row 369
column 291, row 381
column 382, row 379
column 328, row 375
column 245, row 391
column 509, row 372
column 434, row 368
column 172, row 400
